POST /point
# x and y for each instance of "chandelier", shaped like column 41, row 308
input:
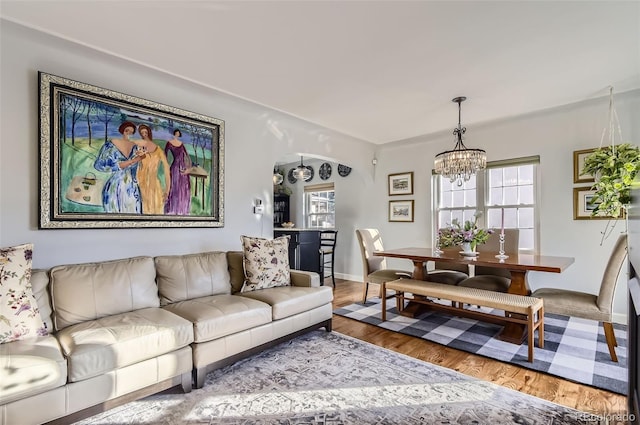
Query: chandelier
column 302, row 172
column 460, row 163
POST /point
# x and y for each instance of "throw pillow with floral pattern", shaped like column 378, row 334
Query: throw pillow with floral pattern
column 19, row 313
column 266, row 263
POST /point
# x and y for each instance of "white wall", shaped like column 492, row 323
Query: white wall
column 255, row 138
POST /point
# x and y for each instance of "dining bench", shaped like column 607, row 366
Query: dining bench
column 521, row 309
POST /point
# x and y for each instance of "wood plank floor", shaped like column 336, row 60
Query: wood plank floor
column 560, row 391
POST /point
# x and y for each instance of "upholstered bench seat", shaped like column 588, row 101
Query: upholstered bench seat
column 29, row 367
column 221, row 315
column 287, row 301
column 531, row 309
column 98, row 346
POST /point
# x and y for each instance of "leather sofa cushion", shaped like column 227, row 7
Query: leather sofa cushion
column 286, row 301
column 29, row 367
column 236, row 270
column 39, row 283
column 86, row 292
column 221, row 315
column 183, row 277
column 98, row 346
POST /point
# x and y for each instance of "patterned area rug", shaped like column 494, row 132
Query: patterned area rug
column 574, row 349
column 329, row 378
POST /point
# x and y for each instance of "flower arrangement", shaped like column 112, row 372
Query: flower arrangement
column 457, row 234
column 614, row 168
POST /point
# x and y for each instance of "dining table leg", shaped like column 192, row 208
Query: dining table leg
column 515, row 332
column 414, row 309
column 418, row 270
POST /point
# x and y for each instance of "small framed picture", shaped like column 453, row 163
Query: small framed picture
column 401, row 184
column 583, row 205
column 578, row 164
column 401, row 211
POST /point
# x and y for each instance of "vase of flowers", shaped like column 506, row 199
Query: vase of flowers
column 466, row 235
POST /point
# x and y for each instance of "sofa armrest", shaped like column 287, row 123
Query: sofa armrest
column 303, row 278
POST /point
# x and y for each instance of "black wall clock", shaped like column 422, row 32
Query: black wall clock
column 325, row 171
column 291, row 176
column 343, row 170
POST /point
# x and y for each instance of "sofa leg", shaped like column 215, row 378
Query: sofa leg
column 328, row 325
column 199, row 376
column 186, row 382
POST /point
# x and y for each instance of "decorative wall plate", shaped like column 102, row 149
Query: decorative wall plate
column 325, row 171
column 310, row 175
column 343, row 170
column 291, row 177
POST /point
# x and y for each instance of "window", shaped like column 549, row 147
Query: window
column 320, row 205
column 509, row 184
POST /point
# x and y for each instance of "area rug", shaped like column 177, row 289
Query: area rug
column 574, row 349
column 329, row 378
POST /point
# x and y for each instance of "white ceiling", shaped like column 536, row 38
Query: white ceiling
column 378, row 70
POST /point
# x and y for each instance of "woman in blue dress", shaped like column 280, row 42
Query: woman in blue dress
column 120, row 157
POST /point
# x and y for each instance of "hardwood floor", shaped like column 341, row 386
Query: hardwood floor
column 581, row 397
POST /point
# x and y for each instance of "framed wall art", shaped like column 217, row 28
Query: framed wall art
column 578, row 164
column 401, row 211
column 401, row 184
column 110, row 160
column 583, row 205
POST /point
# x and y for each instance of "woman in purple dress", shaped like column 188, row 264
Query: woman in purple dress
column 179, row 201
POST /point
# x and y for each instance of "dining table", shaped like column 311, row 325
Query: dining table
column 519, row 265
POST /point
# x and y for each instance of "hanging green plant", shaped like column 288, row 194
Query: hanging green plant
column 614, row 168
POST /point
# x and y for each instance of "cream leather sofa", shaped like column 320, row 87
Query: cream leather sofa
column 124, row 329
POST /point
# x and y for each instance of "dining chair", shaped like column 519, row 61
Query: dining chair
column 589, row 306
column 494, row 278
column 447, row 272
column 328, row 239
column 374, row 269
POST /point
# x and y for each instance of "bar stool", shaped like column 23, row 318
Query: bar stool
column 327, row 254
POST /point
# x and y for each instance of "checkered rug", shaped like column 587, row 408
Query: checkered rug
column 574, row 349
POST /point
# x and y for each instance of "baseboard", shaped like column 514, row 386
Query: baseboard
column 355, row 278
column 619, row 318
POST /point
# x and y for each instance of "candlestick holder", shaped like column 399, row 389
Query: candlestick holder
column 501, row 254
column 436, row 249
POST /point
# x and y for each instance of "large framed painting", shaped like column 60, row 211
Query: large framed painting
column 110, row 160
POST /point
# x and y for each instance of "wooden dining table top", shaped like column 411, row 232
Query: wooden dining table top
column 516, row 262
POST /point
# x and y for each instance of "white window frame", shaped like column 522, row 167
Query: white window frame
column 482, row 198
column 308, row 193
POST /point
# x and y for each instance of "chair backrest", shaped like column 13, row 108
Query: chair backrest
column 444, row 265
column 511, row 241
column 369, row 241
column 611, row 273
column 328, row 239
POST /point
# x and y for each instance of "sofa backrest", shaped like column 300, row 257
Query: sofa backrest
column 236, row 270
column 83, row 292
column 40, row 287
column 183, row 277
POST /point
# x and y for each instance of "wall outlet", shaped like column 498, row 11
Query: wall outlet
column 258, row 209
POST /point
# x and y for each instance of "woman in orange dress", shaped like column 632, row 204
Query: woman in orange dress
column 154, row 195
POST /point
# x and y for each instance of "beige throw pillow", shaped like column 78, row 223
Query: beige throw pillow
column 19, row 313
column 266, row 263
